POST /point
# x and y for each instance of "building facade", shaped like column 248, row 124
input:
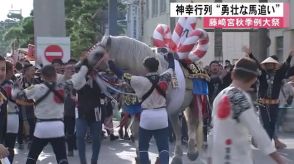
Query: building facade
column 158, row 12
column 282, row 40
column 134, row 19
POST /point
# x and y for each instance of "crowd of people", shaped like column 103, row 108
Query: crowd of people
column 65, row 98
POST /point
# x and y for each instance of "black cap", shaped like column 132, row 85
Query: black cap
column 27, row 65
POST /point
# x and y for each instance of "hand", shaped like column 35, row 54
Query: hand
column 3, row 151
column 246, row 50
column 69, row 71
column 18, row 84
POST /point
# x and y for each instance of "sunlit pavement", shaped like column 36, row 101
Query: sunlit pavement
column 123, row 152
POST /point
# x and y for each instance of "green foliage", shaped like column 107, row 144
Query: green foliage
column 16, row 32
column 85, row 22
column 82, row 25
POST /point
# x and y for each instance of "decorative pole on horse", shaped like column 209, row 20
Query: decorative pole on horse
column 190, row 45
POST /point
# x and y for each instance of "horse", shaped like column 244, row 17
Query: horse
column 129, row 54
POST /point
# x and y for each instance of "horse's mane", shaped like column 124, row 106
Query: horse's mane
column 128, row 53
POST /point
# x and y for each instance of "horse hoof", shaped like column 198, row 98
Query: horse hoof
column 177, row 160
column 193, row 156
column 157, row 160
column 137, row 160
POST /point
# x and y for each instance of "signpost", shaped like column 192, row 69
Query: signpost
column 50, row 48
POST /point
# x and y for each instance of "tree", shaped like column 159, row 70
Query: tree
column 85, row 23
column 16, row 32
column 4, row 26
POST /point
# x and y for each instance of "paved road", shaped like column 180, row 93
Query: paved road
column 123, row 152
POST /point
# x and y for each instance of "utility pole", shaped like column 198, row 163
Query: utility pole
column 260, row 41
column 218, row 41
column 172, row 20
column 112, row 17
column 49, row 18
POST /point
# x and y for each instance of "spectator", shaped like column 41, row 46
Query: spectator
column 58, row 65
column 69, row 112
column 89, row 116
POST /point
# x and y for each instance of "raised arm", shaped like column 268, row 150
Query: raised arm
column 77, row 81
column 286, row 65
column 250, row 55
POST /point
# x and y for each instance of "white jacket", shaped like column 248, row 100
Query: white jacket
column 234, row 120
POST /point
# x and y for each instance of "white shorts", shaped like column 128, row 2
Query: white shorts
column 49, row 129
column 12, row 123
column 152, row 119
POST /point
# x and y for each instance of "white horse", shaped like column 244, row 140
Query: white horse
column 128, row 54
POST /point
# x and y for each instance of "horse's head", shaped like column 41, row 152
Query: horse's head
column 96, row 54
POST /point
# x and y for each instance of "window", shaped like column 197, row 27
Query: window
column 154, row 8
column 279, row 46
column 147, row 9
column 162, row 6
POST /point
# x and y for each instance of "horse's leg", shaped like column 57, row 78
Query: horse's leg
column 135, row 133
column 178, row 152
column 193, row 124
column 199, row 120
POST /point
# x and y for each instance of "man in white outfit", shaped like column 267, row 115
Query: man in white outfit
column 49, row 101
column 234, row 120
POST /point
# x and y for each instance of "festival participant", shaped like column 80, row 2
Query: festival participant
column 107, row 112
column 69, row 112
column 151, row 89
column 58, row 65
column 89, row 116
column 49, row 101
column 12, row 113
column 234, row 120
column 27, row 109
column 3, row 101
column 215, row 84
column 286, row 101
column 270, row 83
column 131, row 107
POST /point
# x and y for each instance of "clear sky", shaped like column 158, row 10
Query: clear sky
column 25, row 5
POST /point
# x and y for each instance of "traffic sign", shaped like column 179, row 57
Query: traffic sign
column 53, row 52
column 50, row 48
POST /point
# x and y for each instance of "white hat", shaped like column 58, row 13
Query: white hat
column 270, row 60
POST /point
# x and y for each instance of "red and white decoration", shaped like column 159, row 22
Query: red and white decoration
column 50, row 48
column 189, row 42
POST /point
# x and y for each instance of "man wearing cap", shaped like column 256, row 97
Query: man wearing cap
column 234, row 119
column 270, row 82
column 27, row 108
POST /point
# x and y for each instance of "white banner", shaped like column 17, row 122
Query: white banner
column 50, row 48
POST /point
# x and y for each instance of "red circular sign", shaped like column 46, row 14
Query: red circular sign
column 53, row 52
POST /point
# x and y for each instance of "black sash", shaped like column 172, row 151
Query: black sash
column 50, row 89
column 154, row 86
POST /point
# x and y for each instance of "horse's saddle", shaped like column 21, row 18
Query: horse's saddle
column 192, row 71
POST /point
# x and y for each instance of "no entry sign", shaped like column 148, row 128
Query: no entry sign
column 50, row 48
column 53, row 52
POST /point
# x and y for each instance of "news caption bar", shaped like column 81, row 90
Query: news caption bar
column 235, row 15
